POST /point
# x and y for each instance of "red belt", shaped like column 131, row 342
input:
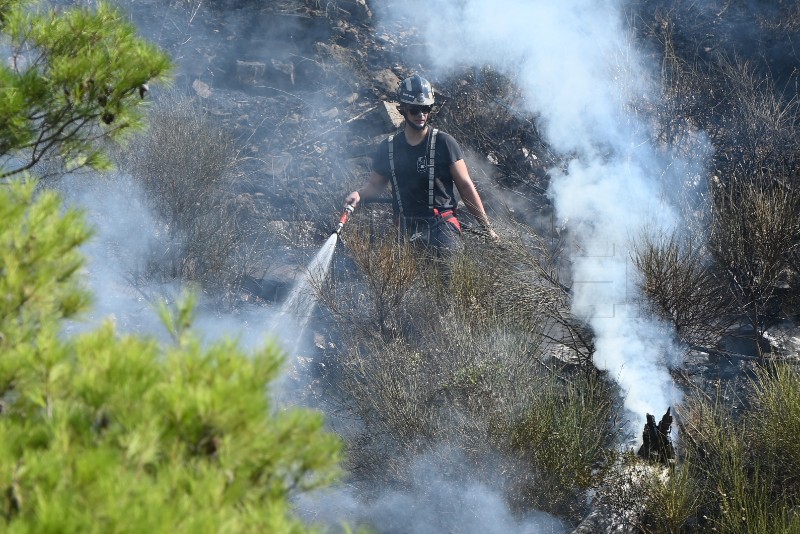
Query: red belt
column 448, row 216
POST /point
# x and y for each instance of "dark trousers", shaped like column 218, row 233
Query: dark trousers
column 441, row 235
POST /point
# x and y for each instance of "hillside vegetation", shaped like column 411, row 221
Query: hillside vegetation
column 102, row 432
column 484, row 366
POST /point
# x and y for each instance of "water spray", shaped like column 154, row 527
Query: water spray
column 348, row 209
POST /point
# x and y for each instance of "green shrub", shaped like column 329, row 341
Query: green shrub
column 775, row 423
column 673, row 501
column 566, row 432
column 457, row 355
column 736, row 486
column 109, row 433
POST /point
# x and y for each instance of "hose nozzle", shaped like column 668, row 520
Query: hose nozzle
column 348, row 209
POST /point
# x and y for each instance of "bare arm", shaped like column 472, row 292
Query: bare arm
column 469, row 194
column 374, row 186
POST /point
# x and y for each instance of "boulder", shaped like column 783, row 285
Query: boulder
column 276, row 163
column 784, row 337
column 202, row 89
column 387, row 81
column 392, row 118
column 250, row 72
column 357, row 8
column 308, row 71
column 280, row 73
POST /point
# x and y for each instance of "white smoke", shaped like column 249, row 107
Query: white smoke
column 124, row 232
column 435, row 501
column 580, row 72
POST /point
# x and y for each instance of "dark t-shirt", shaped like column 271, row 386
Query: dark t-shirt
column 411, row 169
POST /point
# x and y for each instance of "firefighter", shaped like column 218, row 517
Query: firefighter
column 422, row 164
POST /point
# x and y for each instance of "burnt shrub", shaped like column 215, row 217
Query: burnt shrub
column 187, row 165
column 755, row 236
column 743, row 224
column 682, row 286
column 482, row 108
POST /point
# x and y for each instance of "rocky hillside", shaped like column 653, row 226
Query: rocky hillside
column 307, row 88
column 304, row 84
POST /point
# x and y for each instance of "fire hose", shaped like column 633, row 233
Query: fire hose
column 348, row 209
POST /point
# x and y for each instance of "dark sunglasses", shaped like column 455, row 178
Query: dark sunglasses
column 415, row 110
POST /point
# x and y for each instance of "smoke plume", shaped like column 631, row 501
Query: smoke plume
column 113, row 205
column 581, row 72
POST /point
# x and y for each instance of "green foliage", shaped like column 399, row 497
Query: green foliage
column 38, row 261
column 776, row 422
column 76, row 77
column 565, row 433
column 739, row 484
column 461, row 362
column 676, row 499
column 109, row 433
column 738, row 474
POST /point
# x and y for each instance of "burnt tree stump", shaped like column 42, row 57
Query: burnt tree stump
column 656, row 441
column 621, row 501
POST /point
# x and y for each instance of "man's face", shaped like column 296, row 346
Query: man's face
column 416, row 116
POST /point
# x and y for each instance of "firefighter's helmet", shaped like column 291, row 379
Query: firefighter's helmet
column 415, row 90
